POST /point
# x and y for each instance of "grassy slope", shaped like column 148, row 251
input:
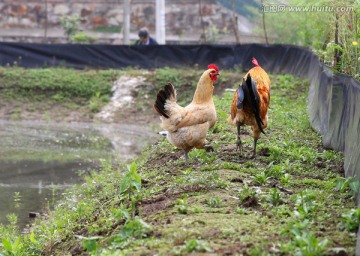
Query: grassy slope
column 285, row 200
column 53, row 93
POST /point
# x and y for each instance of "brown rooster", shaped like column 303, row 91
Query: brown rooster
column 250, row 103
column 186, row 127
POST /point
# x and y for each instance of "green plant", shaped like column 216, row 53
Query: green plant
column 351, row 183
column 260, row 178
column 275, row 197
column 274, row 171
column 136, row 228
column 82, row 38
column 202, row 155
column 214, row 202
column 122, row 213
column 285, row 179
column 70, row 25
column 187, row 171
column 89, row 243
column 305, row 204
column 194, row 245
column 17, row 199
column 275, row 154
column 183, row 205
column 303, row 241
column 248, row 196
column 351, row 219
column 12, row 247
column 97, row 102
column 240, row 210
column 131, row 185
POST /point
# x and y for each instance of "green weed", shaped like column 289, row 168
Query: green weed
column 248, row 195
column 261, row 178
column 136, row 228
column 303, row 241
column 305, row 204
column 183, row 205
column 351, row 219
column 275, row 197
column 194, row 245
column 214, row 202
column 350, row 183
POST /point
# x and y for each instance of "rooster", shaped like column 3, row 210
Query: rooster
column 250, row 104
column 186, row 127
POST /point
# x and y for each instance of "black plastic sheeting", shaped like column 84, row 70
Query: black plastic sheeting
column 276, row 57
column 333, row 100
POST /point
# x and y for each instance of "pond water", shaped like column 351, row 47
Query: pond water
column 38, row 160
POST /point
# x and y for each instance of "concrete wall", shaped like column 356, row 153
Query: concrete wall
column 39, row 20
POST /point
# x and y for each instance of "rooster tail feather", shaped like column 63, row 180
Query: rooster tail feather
column 251, row 90
column 166, row 93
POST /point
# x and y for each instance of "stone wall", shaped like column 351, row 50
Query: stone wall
column 36, row 19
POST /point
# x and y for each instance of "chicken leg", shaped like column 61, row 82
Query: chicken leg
column 186, row 155
column 238, row 144
column 254, row 151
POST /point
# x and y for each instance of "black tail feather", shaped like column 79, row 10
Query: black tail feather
column 167, row 92
column 250, row 89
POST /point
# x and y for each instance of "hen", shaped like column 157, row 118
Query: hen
column 186, row 127
column 250, row 104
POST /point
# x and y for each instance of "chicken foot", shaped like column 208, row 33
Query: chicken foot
column 209, row 148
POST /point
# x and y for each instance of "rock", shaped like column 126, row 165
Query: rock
column 34, row 214
column 61, row 9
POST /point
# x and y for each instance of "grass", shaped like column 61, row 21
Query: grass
column 291, row 200
column 40, row 90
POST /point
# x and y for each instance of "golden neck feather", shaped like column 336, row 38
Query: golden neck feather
column 204, row 89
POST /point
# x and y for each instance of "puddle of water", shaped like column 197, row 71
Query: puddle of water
column 38, row 184
column 39, row 160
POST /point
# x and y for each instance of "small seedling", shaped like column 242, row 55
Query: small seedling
column 274, row 171
column 183, row 205
column 248, row 196
column 260, row 178
column 275, row 197
column 285, row 179
column 131, row 185
column 214, row 202
column 187, row 171
column 303, row 241
column 305, row 204
column 136, row 228
column 351, row 219
column 351, row 183
column 240, row 210
column 194, row 245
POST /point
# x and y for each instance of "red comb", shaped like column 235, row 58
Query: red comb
column 213, row 66
column 254, row 61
